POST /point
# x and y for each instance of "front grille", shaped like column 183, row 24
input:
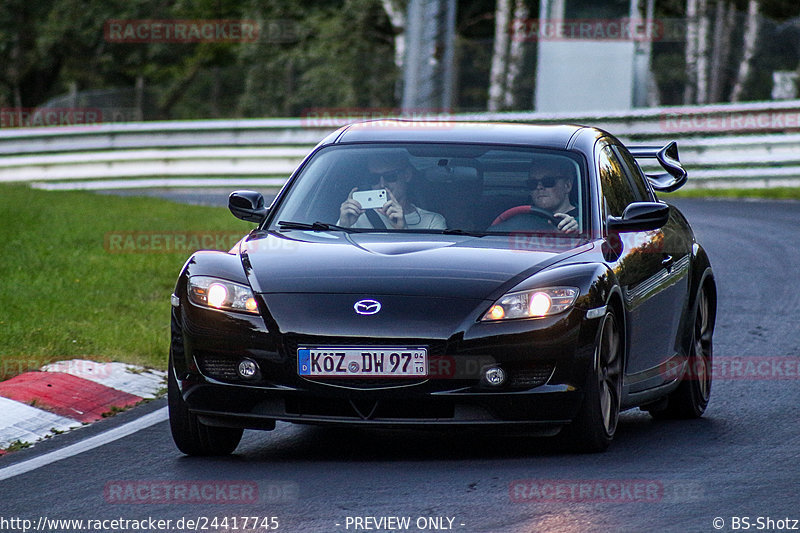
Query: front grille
column 370, row 410
column 291, row 342
column 532, row 376
column 217, row 366
column 368, row 383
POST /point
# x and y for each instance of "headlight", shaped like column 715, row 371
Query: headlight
column 221, row 294
column 532, row 304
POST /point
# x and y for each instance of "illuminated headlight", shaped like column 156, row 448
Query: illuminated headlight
column 221, row 294
column 532, row 304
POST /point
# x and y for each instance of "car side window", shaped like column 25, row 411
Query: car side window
column 634, row 174
column 617, row 191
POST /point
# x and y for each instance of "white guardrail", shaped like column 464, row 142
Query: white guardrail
column 739, row 145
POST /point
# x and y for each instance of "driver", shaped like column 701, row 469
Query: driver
column 391, row 172
column 550, row 185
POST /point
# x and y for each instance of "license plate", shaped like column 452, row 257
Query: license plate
column 355, row 362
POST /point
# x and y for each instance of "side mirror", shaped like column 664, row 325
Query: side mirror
column 640, row 216
column 247, row 205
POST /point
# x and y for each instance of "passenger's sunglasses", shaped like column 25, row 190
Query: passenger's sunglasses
column 547, row 182
column 388, row 177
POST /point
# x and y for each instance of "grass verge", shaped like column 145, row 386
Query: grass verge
column 89, row 276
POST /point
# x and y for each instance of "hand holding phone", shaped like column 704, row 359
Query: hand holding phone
column 372, row 199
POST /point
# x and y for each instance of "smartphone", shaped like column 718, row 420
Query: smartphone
column 371, row 199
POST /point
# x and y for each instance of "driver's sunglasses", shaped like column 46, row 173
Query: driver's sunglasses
column 388, row 177
column 547, row 182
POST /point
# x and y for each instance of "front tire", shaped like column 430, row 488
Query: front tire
column 594, row 427
column 191, row 436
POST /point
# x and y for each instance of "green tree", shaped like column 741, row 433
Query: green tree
column 341, row 56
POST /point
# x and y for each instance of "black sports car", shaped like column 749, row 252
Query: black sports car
column 449, row 274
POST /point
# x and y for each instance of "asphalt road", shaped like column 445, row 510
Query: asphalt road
column 740, row 460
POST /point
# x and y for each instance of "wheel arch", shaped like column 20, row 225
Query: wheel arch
column 615, row 302
column 702, row 278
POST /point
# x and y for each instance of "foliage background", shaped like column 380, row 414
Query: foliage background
column 311, row 54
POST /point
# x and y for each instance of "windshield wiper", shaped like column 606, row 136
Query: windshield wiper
column 316, row 226
column 324, row 226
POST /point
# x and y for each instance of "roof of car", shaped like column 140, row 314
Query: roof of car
column 548, row 136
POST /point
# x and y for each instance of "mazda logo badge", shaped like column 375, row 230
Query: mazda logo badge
column 367, row 307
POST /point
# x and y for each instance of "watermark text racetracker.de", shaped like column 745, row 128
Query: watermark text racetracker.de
column 691, row 121
column 621, row 29
column 181, row 492
column 586, row 490
column 13, row 365
column 611, row 490
column 149, row 524
column 187, row 242
column 39, row 117
column 204, row 492
column 199, row 31
column 126, row 242
column 749, row 368
column 334, row 117
column 180, row 31
column 554, row 241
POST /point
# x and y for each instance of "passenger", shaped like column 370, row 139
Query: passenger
column 393, row 173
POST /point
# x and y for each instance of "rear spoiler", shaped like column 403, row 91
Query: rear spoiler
column 675, row 175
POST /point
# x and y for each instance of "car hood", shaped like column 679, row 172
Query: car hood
column 430, row 265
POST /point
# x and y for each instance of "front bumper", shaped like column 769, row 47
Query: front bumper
column 547, row 362
column 257, row 409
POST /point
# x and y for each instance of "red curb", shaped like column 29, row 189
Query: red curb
column 66, row 395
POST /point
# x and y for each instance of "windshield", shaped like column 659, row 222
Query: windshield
column 437, row 188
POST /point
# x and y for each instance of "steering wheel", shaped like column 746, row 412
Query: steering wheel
column 520, row 210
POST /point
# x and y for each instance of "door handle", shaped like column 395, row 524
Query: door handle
column 667, row 262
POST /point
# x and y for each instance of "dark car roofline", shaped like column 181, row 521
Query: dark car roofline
column 545, row 136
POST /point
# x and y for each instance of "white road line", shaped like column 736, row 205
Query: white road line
column 111, row 435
